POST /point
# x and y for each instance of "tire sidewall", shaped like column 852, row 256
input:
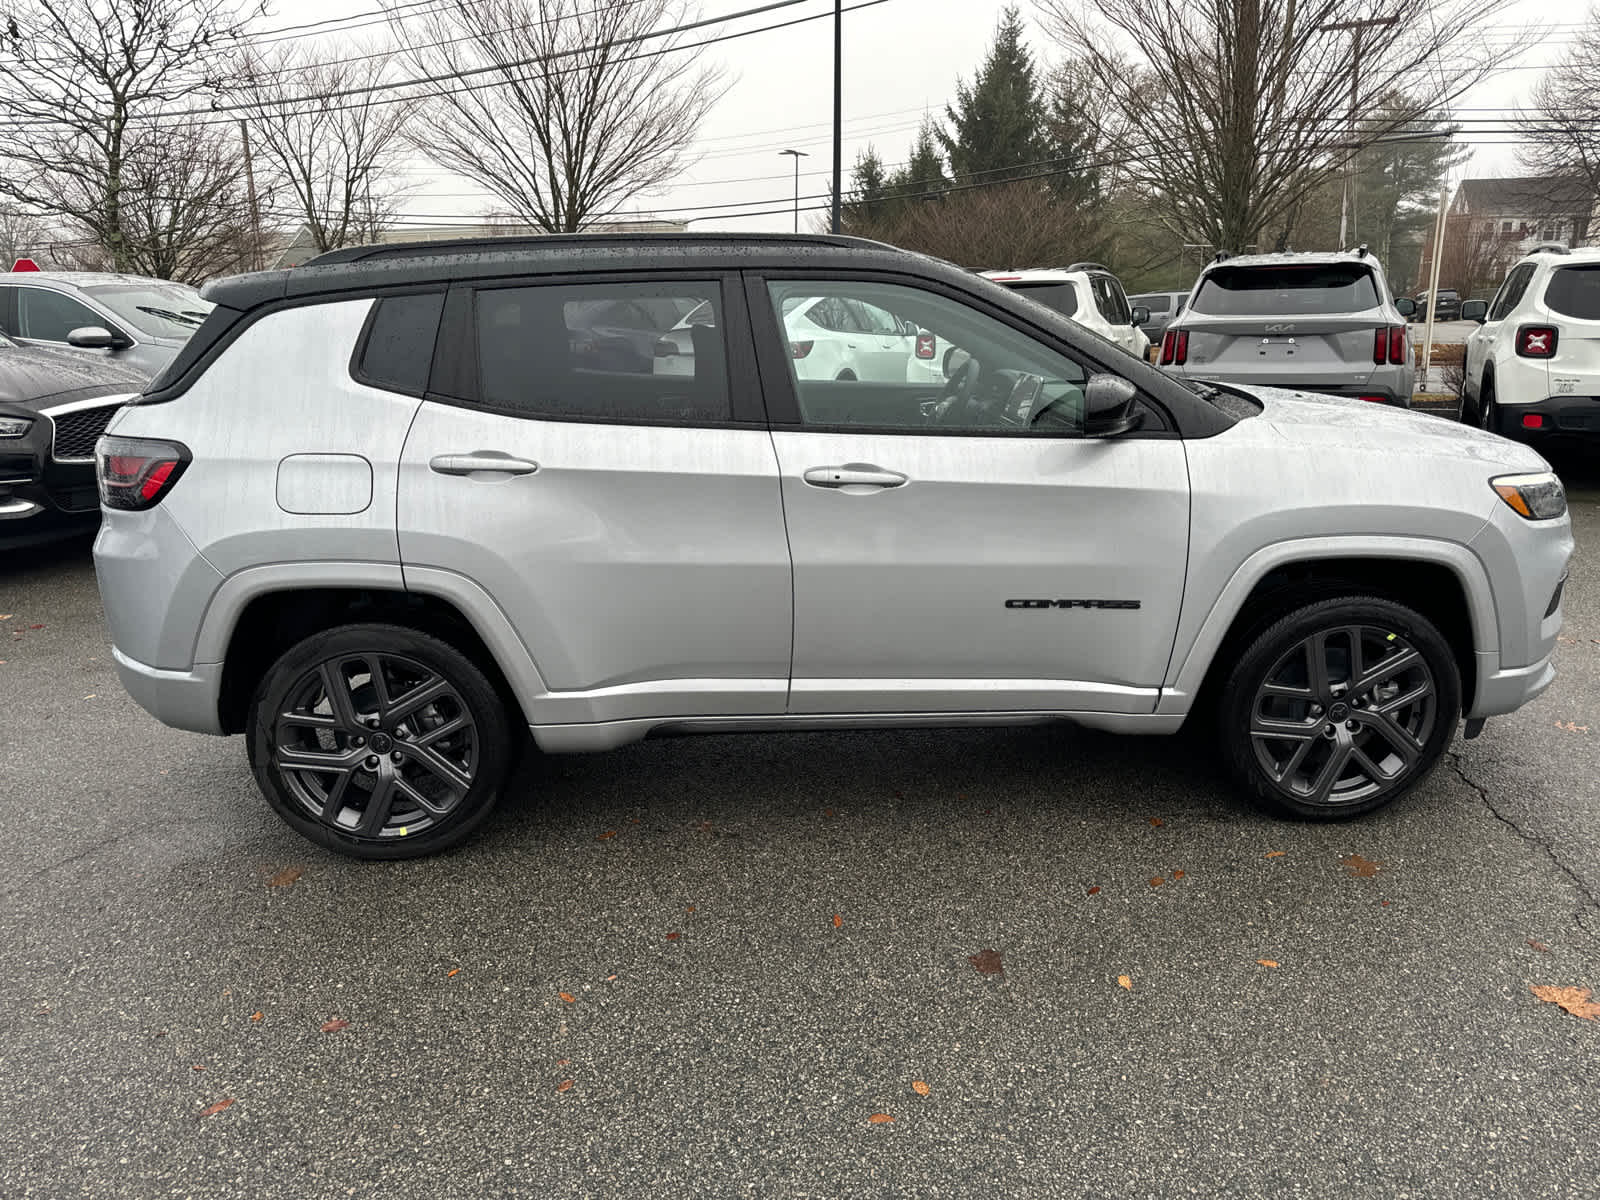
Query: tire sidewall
column 495, row 751
column 1271, row 644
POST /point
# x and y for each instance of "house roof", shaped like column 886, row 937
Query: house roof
column 1522, row 196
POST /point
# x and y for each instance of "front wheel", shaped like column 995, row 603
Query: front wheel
column 379, row 741
column 1340, row 707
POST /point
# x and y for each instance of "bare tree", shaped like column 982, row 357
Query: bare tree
column 22, row 235
column 186, row 211
column 85, row 85
column 336, row 160
column 1561, row 127
column 563, row 109
column 1241, row 105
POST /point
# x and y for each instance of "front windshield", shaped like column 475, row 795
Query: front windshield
column 157, row 308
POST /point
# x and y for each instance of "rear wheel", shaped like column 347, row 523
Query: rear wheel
column 1488, row 411
column 379, row 741
column 1340, row 707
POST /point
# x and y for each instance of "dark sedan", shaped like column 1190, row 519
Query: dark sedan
column 53, row 408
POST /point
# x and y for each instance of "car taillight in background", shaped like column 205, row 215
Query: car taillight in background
column 137, row 473
column 800, row 349
column 1389, row 345
column 1175, row 348
column 1536, row 341
column 1397, row 345
column 1374, row 399
column 927, row 345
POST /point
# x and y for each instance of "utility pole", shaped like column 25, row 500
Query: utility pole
column 250, row 185
column 838, row 110
column 1347, row 197
column 798, row 155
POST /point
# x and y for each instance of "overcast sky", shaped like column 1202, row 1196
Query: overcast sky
column 901, row 58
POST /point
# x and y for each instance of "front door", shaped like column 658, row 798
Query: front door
column 627, row 522
column 963, row 548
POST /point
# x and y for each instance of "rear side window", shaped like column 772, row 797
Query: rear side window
column 1275, row 291
column 1575, row 292
column 1062, row 297
column 622, row 352
column 1158, row 302
column 399, row 347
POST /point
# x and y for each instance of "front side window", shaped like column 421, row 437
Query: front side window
column 1511, row 292
column 1313, row 289
column 1112, row 303
column 1574, row 292
column 50, row 316
column 619, row 352
column 991, row 378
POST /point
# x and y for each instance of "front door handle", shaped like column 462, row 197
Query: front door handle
column 480, row 460
column 852, row 475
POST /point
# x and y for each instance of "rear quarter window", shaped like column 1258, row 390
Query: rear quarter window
column 398, row 349
column 1062, row 297
column 1575, row 292
column 1269, row 291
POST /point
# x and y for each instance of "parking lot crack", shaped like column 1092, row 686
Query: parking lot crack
column 1532, row 839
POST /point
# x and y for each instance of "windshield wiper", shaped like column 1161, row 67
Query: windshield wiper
column 167, row 314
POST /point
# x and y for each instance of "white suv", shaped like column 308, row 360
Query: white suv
column 1087, row 293
column 1532, row 366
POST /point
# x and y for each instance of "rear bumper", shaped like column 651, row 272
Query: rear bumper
column 1558, row 417
column 182, row 699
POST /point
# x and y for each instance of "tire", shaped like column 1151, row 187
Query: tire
column 1488, row 413
column 401, row 772
column 846, row 376
column 1340, row 750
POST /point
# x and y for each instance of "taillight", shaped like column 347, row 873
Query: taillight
column 1174, row 348
column 1397, row 345
column 137, row 473
column 1533, row 420
column 1374, row 399
column 927, row 344
column 1536, row 341
column 1389, row 345
column 1380, row 347
column 1167, row 341
column 800, row 349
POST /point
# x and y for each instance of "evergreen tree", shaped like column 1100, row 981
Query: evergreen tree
column 865, row 200
column 924, row 170
column 996, row 123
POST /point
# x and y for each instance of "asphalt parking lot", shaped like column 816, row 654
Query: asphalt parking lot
column 705, row 965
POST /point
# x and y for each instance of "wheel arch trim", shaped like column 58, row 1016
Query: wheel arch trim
column 1190, row 665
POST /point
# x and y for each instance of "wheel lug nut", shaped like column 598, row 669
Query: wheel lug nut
column 358, row 741
column 397, row 757
column 372, row 762
column 1351, row 726
column 1328, row 731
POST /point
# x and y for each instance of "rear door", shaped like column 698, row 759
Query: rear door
column 1290, row 325
column 1483, row 340
column 976, row 554
column 628, row 523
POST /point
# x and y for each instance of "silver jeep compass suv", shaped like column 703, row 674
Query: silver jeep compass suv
column 389, row 510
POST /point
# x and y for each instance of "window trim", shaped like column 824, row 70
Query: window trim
column 783, row 401
column 455, row 378
column 359, row 354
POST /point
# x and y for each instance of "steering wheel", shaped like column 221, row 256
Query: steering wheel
column 958, row 401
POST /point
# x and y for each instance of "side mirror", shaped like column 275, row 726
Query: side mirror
column 1109, row 407
column 1407, row 306
column 95, row 337
column 1475, row 310
column 1141, row 315
column 954, row 359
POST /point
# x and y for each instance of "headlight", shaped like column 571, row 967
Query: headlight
column 14, row 427
column 1536, row 497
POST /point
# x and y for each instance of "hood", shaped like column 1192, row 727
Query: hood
column 30, row 375
column 1338, row 422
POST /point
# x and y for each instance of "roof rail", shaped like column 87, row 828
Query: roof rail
column 1222, row 256
column 482, row 245
column 1550, row 248
column 1088, row 266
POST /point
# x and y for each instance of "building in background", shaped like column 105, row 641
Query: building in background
column 1494, row 222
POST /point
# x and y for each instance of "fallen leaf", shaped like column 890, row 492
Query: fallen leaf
column 286, row 877
column 35, row 626
column 1572, row 728
column 827, row 812
column 1157, row 822
column 1275, row 853
column 255, row 1016
column 609, row 978
column 1125, row 982
column 633, row 820
column 91, row 695
column 564, row 1085
column 689, row 909
column 601, row 837
column 452, row 972
column 1360, row 868
column 1539, row 946
column 217, row 1107
column 197, row 1067
column 838, row 921
column 673, row 936
column 1095, row 890
column 563, row 1062
column 1385, row 903
column 335, row 1025
column 919, row 1087
column 880, row 1119
column 5, row 616
column 1177, row 875
column 1266, row 962
column 1574, row 999
column 1156, row 881
column 987, row 962
column 568, row 997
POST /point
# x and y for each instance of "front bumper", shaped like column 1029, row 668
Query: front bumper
column 1558, row 417
column 1503, row 691
column 182, row 699
column 42, row 500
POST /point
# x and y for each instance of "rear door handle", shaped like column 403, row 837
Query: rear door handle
column 481, row 460
column 862, row 475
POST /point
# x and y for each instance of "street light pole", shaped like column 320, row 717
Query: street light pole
column 798, row 155
column 838, row 110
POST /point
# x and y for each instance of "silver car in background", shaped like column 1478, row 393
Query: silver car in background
column 1310, row 322
column 137, row 323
